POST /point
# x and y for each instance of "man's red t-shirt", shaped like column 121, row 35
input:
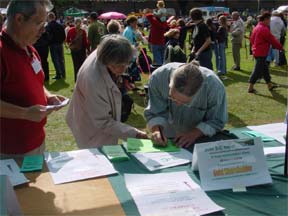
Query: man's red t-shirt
column 21, row 86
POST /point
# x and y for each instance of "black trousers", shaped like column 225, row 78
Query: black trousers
column 261, row 69
column 78, row 57
column 43, row 53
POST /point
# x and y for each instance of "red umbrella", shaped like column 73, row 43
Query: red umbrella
column 112, row 15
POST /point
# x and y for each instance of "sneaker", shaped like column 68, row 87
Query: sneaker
column 253, row 91
column 273, row 87
column 236, row 68
column 220, row 73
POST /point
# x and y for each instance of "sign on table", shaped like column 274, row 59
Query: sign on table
column 231, row 164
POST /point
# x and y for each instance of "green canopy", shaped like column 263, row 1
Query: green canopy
column 75, row 12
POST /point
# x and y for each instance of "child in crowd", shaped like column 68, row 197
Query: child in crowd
column 161, row 11
column 173, row 52
column 173, row 37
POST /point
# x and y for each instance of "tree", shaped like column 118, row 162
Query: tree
column 60, row 3
column 183, row 6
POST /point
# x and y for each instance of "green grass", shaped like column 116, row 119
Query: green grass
column 244, row 109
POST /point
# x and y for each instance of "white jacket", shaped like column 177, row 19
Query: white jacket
column 277, row 27
column 95, row 109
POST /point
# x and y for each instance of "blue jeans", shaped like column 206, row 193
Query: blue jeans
column 57, row 56
column 220, row 56
column 158, row 53
column 205, row 59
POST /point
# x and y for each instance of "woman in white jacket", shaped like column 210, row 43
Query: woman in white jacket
column 95, row 110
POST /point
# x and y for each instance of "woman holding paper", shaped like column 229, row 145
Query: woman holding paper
column 95, row 109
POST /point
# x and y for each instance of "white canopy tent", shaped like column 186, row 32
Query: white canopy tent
column 3, row 10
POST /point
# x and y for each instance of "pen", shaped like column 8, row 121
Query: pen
column 161, row 134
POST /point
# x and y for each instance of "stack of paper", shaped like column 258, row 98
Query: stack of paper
column 263, row 137
column 77, row 165
column 115, row 153
column 160, row 160
column 275, row 130
column 10, row 168
column 169, row 194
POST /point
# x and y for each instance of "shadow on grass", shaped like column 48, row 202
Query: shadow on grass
column 235, row 121
column 278, row 72
column 57, row 85
column 235, row 77
column 139, row 100
column 275, row 96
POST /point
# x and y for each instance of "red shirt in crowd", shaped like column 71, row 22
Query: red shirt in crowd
column 261, row 39
column 72, row 34
column 22, row 86
column 157, row 30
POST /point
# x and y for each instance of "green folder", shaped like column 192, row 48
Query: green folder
column 115, row 153
column 264, row 138
column 32, row 163
column 146, row 145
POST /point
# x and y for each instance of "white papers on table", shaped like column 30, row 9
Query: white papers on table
column 77, row 165
column 160, row 160
column 62, row 104
column 10, row 168
column 275, row 130
column 9, row 204
column 172, row 193
column 270, row 151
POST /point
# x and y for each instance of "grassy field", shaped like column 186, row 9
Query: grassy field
column 244, row 109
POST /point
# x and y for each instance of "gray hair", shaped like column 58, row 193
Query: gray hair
column 114, row 49
column 26, row 7
column 113, row 27
column 187, row 79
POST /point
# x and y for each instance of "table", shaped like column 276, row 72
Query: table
column 109, row 196
column 258, row 200
column 89, row 197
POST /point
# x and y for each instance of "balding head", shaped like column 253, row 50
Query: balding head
column 235, row 15
column 51, row 16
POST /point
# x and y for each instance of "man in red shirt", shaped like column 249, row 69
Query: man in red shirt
column 24, row 99
column 261, row 39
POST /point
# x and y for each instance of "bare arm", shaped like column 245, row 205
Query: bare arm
column 33, row 113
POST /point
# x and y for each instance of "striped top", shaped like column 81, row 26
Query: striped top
column 207, row 110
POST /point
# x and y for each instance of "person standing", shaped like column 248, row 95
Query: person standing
column 201, row 49
column 77, row 42
column 96, row 30
column 277, row 29
column 237, row 34
column 220, row 46
column 261, row 39
column 42, row 47
column 94, row 112
column 156, row 37
column 57, row 34
column 130, row 30
column 23, row 97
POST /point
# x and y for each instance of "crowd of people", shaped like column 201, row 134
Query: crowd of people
column 187, row 99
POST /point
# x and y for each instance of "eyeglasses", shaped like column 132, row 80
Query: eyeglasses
column 187, row 104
